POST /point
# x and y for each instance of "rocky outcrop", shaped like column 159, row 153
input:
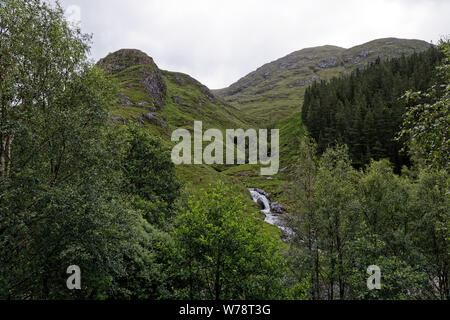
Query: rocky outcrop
column 365, row 53
column 119, row 120
column 155, row 86
column 139, row 66
column 329, row 63
column 277, row 207
column 306, row 82
column 124, row 100
column 123, row 59
column 155, row 119
column 183, row 80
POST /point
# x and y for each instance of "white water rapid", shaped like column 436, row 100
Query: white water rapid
column 261, row 197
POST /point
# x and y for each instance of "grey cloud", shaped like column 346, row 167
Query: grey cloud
column 218, row 42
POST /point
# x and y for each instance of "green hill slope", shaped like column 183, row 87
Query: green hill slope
column 168, row 100
column 272, row 96
column 163, row 101
column 275, row 90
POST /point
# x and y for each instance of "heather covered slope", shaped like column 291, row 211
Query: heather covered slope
column 276, row 90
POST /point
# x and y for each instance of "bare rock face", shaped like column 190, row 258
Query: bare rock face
column 329, row 63
column 155, row 119
column 277, row 207
column 124, row 100
column 156, row 87
column 119, row 120
column 139, row 66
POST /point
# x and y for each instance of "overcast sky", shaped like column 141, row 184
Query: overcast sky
column 218, row 42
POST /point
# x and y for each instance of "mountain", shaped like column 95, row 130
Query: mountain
column 275, row 90
column 168, row 100
column 162, row 101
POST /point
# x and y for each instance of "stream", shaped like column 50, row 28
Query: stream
column 268, row 208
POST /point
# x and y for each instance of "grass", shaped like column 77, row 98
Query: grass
column 197, row 177
column 194, row 105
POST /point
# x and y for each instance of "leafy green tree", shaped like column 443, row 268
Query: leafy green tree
column 384, row 199
column 337, row 206
column 150, row 175
column 345, row 221
column 431, row 229
column 151, row 189
column 304, row 252
column 399, row 280
column 41, row 60
column 222, row 253
column 61, row 181
column 325, row 219
column 426, row 122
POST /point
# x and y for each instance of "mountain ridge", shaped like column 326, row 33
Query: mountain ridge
column 275, row 90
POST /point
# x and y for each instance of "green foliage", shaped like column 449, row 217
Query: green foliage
column 431, row 233
column 64, row 183
column 399, row 279
column 384, row 201
column 345, row 221
column 57, row 187
column 326, row 217
column 75, row 189
column 304, row 251
column 426, row 123
column 150, row 174
column 299, row 291
column 363, row 109
column 223, row 254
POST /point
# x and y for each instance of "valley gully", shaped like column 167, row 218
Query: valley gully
column 235, row 144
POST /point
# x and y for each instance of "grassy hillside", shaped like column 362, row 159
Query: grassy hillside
column 163, row 101
column 272, row 96
column 275, row 91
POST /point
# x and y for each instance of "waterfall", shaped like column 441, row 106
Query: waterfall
column 261, row 198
